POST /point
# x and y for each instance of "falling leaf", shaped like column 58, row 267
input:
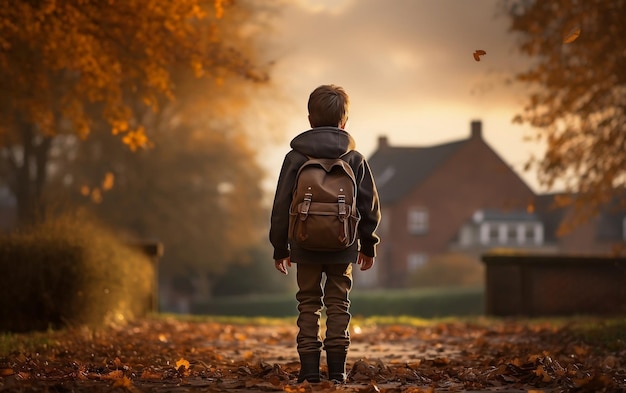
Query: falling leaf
column 572, row 35
column 479, row 53
column 108, row 181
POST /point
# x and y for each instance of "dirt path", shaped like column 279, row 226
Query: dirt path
column 169, row 355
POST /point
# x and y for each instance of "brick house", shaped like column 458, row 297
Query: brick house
column 463, row 197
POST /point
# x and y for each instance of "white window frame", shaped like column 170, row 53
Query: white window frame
column 417, row 220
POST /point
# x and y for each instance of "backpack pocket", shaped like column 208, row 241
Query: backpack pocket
column 319, row 226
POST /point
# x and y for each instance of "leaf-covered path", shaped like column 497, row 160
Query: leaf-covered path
column 176, row 355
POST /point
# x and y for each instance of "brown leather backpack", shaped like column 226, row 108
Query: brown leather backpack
column 323, row 214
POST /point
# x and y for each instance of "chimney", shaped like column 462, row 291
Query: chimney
column 383, row 142
column 476, row 129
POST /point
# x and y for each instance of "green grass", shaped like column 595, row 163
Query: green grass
column 25, row 342
column 601, row 333
column 423, row 303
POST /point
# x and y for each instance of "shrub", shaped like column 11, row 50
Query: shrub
column 70, row 271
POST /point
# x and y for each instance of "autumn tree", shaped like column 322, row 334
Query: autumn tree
column 195, row 185
column 577, row 99
column 68, row 67
column 197, row 189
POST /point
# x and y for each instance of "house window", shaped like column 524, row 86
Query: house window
column 512, row 234
column 529, row 234
column 417, row 221
column 494, row 233
column 415, row 261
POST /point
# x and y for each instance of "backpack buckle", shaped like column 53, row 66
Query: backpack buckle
column 306, row 204
column 341, row 199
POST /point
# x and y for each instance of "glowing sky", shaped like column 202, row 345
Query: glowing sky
column 409, row 69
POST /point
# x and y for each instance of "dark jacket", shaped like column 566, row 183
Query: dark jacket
column 325, row 142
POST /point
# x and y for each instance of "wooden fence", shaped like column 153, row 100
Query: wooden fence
column 554, row 285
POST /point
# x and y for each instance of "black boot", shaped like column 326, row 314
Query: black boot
column 309, row 367
column 336, row 366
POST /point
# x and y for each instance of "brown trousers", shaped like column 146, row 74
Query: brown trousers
column 313, row 294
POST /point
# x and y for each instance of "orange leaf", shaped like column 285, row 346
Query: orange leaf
column 479, row 53
column 150, row 375
column 182, row 363
column 123, row 382
column 541, row 372
column 117, row 374
column 571, row 35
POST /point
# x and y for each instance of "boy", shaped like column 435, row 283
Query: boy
column 328, row 113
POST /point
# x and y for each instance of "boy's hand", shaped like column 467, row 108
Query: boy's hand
column 365, row 261
column 281, row 265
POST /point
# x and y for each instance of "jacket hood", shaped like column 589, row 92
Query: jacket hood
column 323, row 142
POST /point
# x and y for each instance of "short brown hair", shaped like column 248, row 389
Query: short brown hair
column 328, row 106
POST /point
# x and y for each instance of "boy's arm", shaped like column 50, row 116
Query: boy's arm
column 369, row 208
column 279, row 226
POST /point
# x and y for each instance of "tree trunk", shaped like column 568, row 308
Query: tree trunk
column 30, row 174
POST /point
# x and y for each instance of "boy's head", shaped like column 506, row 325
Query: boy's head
column 328, row 107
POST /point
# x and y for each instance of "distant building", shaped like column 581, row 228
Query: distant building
column 463, row 197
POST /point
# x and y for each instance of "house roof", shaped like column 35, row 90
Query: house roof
column 398, row 169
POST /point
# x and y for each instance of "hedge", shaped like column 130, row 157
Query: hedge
column 69, row 271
